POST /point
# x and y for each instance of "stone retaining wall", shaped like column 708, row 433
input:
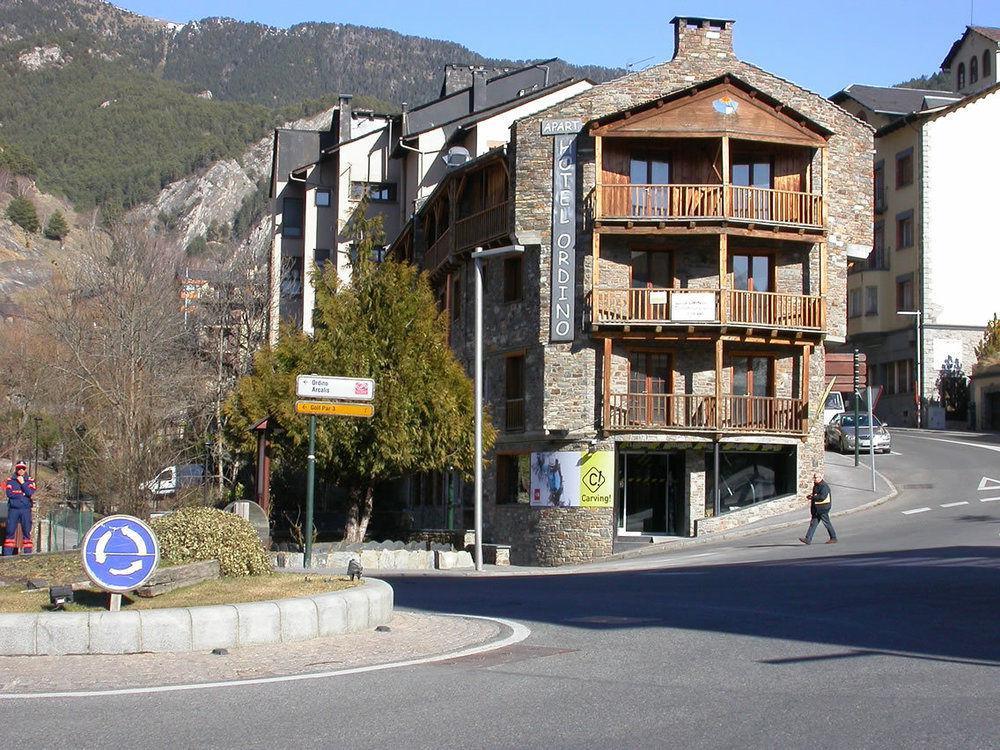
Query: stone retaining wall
column 197, row 628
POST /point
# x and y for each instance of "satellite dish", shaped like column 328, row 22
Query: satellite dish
column 456, row 157
column 255, row 515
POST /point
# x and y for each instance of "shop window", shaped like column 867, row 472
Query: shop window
column 514, row 479
column 748, row 477
column 904, row 168
column 291, row 217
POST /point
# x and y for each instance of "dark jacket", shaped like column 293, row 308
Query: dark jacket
column 822, row 498
column 19, row 495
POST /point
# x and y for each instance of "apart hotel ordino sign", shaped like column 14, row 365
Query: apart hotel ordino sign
column 563, row 284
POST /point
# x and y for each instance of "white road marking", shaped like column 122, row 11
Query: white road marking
column 520, row 633
column 988, row 499
column 915, row 510
column 988, row 484
column 952, row 505
column 895, row 453
column 995, row 448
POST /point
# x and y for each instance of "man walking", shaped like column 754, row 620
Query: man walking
column 20, row 489
column 820, row 503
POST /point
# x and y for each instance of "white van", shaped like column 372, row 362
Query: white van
column 173, row 478
column 834, row 405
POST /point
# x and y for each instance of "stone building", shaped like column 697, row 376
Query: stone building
column 654, row 359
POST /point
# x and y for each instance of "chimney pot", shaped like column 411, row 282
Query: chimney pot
column 344, row 117
column 703, row 37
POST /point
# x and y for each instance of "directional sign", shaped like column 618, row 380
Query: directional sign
column 120, row 553
column 327, row 386
column 329, row 408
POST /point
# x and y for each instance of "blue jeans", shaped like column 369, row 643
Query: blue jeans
column 817, row 516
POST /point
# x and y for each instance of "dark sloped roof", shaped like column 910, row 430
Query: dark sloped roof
column 894, row 101
column 990, row 32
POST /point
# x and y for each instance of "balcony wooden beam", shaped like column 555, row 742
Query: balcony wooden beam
column 707, row 229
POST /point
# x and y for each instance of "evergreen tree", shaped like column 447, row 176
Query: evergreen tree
column 22, row 212
column 57, row 228
column 953, row 389
column 384, row 324
column 988, row 349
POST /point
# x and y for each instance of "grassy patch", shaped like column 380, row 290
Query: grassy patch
column 53, row 568
column 222, row 591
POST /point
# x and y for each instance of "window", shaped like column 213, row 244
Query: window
column 291, row 217
column 751, row 172
column 377, row 192
column 747, row 477
column 456, row 299
column 904, row 168
column 514, row 479
column 323, row 198
column 904, row 230
column 987, row 65
column 322, row 257
column 896, row 377
column 514, row 391
column 904, row 292
column 753, row 376
column 753, row 273
column 871, row 300
column 513, row 273
column 854, row 303
column 973, row 69
column 880, row 186
column 647, row 201
column 961, row 76
column 877, row 260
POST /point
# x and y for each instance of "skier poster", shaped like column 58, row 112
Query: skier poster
column 572, row 479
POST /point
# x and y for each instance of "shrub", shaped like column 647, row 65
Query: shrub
column 193, row 534
column 57, row 228
column 22, row 212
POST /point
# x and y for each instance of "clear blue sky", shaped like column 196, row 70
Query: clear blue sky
column 821, row 44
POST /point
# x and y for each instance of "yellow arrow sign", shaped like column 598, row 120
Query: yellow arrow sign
column 330, row 408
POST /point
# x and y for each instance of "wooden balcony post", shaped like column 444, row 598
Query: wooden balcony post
column 823, row 283
column 598, row 177
column 596, row 252
column 606, row 395
column 725, row 175
column 723, row 278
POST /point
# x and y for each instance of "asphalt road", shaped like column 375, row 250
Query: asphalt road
column 888, row 639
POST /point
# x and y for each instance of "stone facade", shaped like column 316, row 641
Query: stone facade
column 563, row 381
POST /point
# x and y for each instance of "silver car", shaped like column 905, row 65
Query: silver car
column 842, row 434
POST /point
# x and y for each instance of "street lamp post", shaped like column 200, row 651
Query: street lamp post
column 477, row 257
column 918, row 379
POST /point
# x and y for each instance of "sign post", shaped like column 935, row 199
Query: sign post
column 120, row 553
column 857, row 396
column 328, row 387
column 871, row 426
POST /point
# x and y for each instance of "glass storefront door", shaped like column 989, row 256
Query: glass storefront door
column 652, row 498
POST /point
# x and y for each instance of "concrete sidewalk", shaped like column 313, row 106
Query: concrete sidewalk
column 852, row 493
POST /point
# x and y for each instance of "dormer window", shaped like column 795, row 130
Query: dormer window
column 961, row 76
column 973, row 70
column 987, row 71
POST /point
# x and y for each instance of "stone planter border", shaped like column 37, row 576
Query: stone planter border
column 197, row 628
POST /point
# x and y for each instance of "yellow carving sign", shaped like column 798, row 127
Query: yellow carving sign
column 332, row 409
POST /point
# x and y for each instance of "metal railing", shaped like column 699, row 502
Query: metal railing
column 514, row 415
column 67, row 527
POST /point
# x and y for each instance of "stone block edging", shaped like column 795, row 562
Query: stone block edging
column 197, row 628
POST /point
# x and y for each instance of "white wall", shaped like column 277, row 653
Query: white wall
column 961, row 247
column 496, row 129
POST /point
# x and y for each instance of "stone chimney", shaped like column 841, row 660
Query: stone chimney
column 703, row 37
column 344, row 118
column 478, row 89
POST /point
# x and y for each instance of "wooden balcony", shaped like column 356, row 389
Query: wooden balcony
column 480, row 228
column 686, row 412
column 706, row 307
column 731, row 203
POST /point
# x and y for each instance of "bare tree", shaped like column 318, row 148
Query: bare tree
column 124, row 363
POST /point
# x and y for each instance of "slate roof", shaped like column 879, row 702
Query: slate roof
column 888, row 100
column 990, row 32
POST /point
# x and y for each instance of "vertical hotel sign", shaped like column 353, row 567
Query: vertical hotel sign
column 563, row 286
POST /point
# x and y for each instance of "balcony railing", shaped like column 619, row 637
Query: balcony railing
column 749, row 205
column 514, row 417
column 480, row 228
column 439, row 251
column 686, row 412
column 706, row 307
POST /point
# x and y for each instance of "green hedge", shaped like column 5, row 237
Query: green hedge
column 193, row 534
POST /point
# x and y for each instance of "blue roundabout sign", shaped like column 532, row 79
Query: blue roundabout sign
column 120, row 553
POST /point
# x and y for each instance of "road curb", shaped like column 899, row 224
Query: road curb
column 180, row 629
column 741, row 533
